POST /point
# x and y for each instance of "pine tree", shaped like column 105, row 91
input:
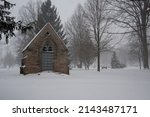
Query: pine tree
column 115, row 63
column 44, row 12
column 48, row 13
column 7, row 22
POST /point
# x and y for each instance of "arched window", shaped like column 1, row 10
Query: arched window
column 47, row 48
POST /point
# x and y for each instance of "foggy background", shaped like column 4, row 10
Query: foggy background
column 65, row 8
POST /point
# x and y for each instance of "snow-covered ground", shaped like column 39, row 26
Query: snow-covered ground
column 80, row 84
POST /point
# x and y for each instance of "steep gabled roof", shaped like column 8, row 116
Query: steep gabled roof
column 49, row 26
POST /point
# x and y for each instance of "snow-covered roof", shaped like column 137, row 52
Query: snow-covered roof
column 47, row 25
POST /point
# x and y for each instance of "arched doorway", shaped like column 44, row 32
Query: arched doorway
column 47, row 58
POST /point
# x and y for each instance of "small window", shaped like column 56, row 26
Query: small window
column 47, row 48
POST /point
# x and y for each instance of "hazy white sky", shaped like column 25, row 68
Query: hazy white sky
column 65, row 7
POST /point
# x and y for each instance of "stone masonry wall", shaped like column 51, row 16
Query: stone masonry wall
column 32, row 61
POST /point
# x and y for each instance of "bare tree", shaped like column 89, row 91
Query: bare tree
column 20, row 43
column 134, row 15
column 96, row 14
column 81, row 47
column 28, row 13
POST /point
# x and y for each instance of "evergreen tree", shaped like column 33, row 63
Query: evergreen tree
column 42, row 13
column 48, row 13
column 115, row 63
column 7, row 23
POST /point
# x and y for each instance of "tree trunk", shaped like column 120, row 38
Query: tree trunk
column 145, row 57
column 139, row 56
column 144, row 37
column 98, row 58
column 145, row 49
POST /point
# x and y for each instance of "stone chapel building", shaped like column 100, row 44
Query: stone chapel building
column 45, row 52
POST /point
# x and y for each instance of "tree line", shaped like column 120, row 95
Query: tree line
column 131, row 16
column 33, row 16
column 89, row 32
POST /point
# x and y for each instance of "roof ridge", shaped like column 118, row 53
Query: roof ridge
column 47, row 24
